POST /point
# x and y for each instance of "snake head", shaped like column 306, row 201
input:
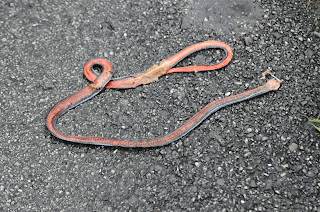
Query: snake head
column 273, row 84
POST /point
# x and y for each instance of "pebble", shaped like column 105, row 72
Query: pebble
column 250, row 135
column 48, row 86
column 253, row 184
column 293, row 147
column 316, row 34
column 249, row 130
column 308, row 53
column 186, row 23
column 200, row 59
column 220, row 181
column 276, row 35
column 247, row 41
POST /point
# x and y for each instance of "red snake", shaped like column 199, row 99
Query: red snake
column 104, row 80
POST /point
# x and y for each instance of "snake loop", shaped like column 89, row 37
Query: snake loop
column 165, row 67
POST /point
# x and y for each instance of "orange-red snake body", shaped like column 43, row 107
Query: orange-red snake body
column 104, row 80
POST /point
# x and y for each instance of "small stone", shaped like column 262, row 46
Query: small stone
column 317, row 34
column 277, row 191
column 186, row 23
column 315, row 170
column 308, row 53
column 249, row 130
column 48, row 86
column 250, row 135
column 200, row 59
column 278, row 168
column 171, row 10
column 310, row 174
column 247, row 41
column 283, row 174
column 293, row 147
column 220, row 181
column 276, row 35
column 158, row 168
column 278, row 41
column 172, row 179
column 197, row 164
column 253, row 184
column 297, row 168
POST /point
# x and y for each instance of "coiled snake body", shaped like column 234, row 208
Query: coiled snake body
column 100, row 81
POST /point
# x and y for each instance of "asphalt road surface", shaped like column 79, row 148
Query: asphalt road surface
column 258, row 155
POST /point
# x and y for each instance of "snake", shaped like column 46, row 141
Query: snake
column 104, row 80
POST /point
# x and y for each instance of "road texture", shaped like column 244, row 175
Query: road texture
column 258, row 155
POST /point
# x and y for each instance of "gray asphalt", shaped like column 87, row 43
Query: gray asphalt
column 258, row 155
